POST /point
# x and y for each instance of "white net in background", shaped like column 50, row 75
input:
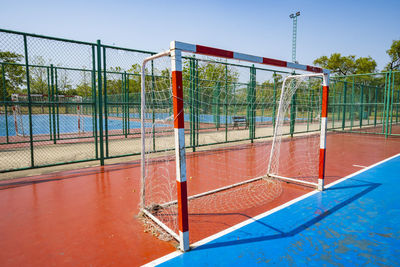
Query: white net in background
column 297, row 157
column 223, row 180
column 17, row 116
column 159, row 181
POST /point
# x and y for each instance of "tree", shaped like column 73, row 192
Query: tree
column 365, row 65
column 337, row 63
column 84, row 89
column 394, row 54
column 346, row 65
column 14, row 74
column 211, row 81
column 64, row 83
column 38, row 76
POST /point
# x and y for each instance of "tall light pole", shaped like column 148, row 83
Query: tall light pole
column 294, row 37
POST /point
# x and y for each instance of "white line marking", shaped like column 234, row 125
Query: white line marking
column 361, row 171
column 163, row 259
column 360, row 166
column 258, row 217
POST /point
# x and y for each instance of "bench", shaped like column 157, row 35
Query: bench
column 239, row 121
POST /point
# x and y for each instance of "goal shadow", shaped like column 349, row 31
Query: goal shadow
column 323, row 204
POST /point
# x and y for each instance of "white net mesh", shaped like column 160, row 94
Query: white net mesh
column 299, row 107
column 223, row 104
column 18, row 120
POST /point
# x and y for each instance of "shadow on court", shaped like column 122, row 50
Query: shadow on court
column 317, row 207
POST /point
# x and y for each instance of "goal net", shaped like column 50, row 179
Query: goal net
column 297, row 159
column 189, row 103
column 17, row 116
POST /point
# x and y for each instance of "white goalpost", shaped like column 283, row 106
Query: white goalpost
column 18, row 120
column 179, row 188
column 81, row 121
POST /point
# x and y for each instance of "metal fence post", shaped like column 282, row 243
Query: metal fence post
column 28, row 87
column 100, row 98
column 191, row 104
column 153, row 104
column 344, row 105
column 352, row 105
column 94, row 102
column 391, row 101
column 226, row 103
column 5, row 100
column 253, row 104
column 197, row 102
column 274, row 104
column 49, row 101
column 105, row 100
column 376, row 105
column 361, row 105
column 53, row 100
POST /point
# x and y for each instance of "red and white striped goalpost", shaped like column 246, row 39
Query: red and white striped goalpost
column 176, row 49
column 179, row 128
column 324, row 115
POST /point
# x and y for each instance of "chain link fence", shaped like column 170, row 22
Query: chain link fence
column 65, row 101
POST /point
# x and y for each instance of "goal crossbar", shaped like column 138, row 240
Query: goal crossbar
column 216, row 52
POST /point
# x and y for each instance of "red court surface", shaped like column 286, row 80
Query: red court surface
column 86, row 217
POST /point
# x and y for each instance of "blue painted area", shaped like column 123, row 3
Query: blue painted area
column 203, row 118
column 67, row 124
column 356, row 222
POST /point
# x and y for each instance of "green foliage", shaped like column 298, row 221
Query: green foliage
column 266, row 88
column 346, row 65
column 114, row 81
column 394, row 54
column 337, row 63
column 84, row 89
column 64, row 83
column 135, row 69
column 215, row 80
column 38, row 77
column 365, row 65
column 14, row 74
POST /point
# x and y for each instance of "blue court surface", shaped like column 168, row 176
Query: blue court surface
column 68, row 123
column 43, row 124
column 354, row 222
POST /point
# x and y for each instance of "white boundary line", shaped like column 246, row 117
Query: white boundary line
column 359, row 166
column 361, row 171
column 265, row 214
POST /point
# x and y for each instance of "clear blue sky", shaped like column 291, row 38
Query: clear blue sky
column 362, row 28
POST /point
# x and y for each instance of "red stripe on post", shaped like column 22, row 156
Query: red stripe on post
column 177, row 95
column 314, row 69
column 324, row 111
column 205, row 50
column 321, row 174
column 183, row 219
column 274, row 62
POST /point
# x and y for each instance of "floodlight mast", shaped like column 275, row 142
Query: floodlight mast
column 294, row 36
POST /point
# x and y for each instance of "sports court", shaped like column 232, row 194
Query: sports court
column 198, row 151
column 88, row 216
column 353, row 222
